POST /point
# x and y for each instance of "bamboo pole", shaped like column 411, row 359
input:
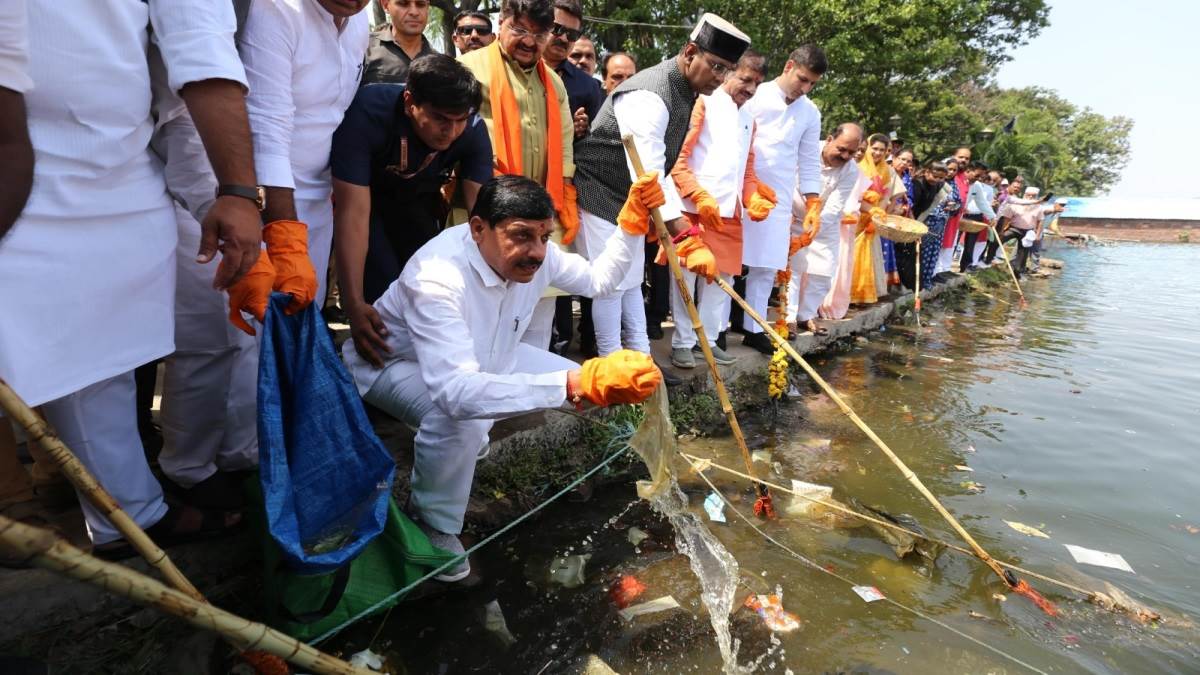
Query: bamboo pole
column 664, row 238
column 917, row 293
column 86, row 484
column 1004, row 254
column 49, row 552
column 912, row 478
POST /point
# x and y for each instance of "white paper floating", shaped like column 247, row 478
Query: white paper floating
column 657, row 605
column 714, row 506
column 1099, row 558
column 868, row 593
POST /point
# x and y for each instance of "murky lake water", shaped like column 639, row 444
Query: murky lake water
column 1079, row 415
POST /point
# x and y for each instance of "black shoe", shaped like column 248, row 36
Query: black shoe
column 670, row 379
column 221, row 491
column 654, row 330
column 760, row 343
column 721, row 341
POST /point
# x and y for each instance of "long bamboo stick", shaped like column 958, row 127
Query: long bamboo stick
column 664, row 238
column 90, row 488
column 841, row 403
column 49, row 552
column 1004, row 254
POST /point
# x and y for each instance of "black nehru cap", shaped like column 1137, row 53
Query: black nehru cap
column 720, row 38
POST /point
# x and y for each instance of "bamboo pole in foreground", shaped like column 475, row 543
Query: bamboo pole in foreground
column 82, row 479
column 912, row 478
column 49, row 552
column 664, row 238
column 1004, row 254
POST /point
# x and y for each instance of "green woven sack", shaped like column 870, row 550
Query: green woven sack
column 306, row 606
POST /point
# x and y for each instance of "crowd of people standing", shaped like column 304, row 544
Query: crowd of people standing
column 466, row 209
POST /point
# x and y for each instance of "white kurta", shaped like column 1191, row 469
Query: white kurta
column 643, row 115
column 718, row 160
column 842, row 189
column 14, row 48
column 88, row 270
column 787, row 157
column 303, row 73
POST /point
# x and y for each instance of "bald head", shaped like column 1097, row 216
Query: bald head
column 618, row 67
column 841, row 144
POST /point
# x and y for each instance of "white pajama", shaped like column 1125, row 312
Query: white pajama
column 620, row 319
column 945, row 260
column 541, row 325
column 318, row 215
column 446, row 448
column 210, row 384
column 711, row 302
column 99, row 424
column 759, row 282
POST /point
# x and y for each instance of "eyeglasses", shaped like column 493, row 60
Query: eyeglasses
column 521, row 33
column 562, row 31
column 478, row 29
column 719, row 69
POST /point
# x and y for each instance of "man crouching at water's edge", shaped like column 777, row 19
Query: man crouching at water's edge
column 453, row 325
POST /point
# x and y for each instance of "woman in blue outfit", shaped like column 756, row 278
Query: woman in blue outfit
column 933, row 203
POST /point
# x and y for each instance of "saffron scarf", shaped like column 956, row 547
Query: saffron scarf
column 506, row 124
column 863, row 286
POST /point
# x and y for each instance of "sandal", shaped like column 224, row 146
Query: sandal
column 813, row 328
column 168, row 531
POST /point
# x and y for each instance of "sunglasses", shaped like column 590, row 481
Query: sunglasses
column 562, row 31
column 478, row 29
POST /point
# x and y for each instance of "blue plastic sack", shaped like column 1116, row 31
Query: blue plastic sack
column 326, row 476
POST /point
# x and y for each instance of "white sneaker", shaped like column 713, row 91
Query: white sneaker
column 450, row 543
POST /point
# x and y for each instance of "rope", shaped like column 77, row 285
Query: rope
column 618, row 22
column 702, row 463
column 391, row 599
column 911, row 610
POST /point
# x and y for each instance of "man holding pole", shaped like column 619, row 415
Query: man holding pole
column 654, row 107
column 715, row 177
column 455, row 320
column 787, row 155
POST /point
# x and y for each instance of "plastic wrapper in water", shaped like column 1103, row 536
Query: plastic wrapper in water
column 654, row 442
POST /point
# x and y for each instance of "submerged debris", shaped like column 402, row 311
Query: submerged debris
column 902, row 543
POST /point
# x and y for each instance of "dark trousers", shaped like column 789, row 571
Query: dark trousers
column 968, row 252
column 736, row 313
column 906, row 265
column 564, row 320
column 658, row 282
column 1008, row 235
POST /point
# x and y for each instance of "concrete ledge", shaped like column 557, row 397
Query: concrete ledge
column 36, row 601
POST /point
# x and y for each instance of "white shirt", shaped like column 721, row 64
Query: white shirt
column 718, row 160
column 979, row 201
column 303, row 74
column 89, row 112
column 787, row 156
column 461, row 322
column 841, row 194
column 14, row 47
column 644, row 115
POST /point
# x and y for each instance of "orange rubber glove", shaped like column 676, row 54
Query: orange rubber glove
column 644, row 194
column 849, row 219
column 709, row 210
column 761, row 202
column 795, row 243
column 251, row 293
column 287, row 242
column 871, row 197
column 695, row 255
column 812, row 221
column 625, row 376
column 868, row 220
column 568, row 217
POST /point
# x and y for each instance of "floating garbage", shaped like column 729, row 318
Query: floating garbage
column 902, row 543
column 868, row 593
column 657, row 605
column 1088, row 556
column 567, row 571
column 1027, row 529
column 367, row 659
column 799, row 506
column 637, row 535
column 714, row 506
column 626, row 590
column 763, row 456
column 963, row 467
column 770, row 608
column 494, row 623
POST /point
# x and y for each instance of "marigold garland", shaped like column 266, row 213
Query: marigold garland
column 777, row 371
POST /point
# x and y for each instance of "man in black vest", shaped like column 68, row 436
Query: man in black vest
column 654, row 106
column 391, row 155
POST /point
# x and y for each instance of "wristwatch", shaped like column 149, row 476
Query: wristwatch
column 255, row 194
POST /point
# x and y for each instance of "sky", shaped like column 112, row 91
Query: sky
column 1137, row 59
